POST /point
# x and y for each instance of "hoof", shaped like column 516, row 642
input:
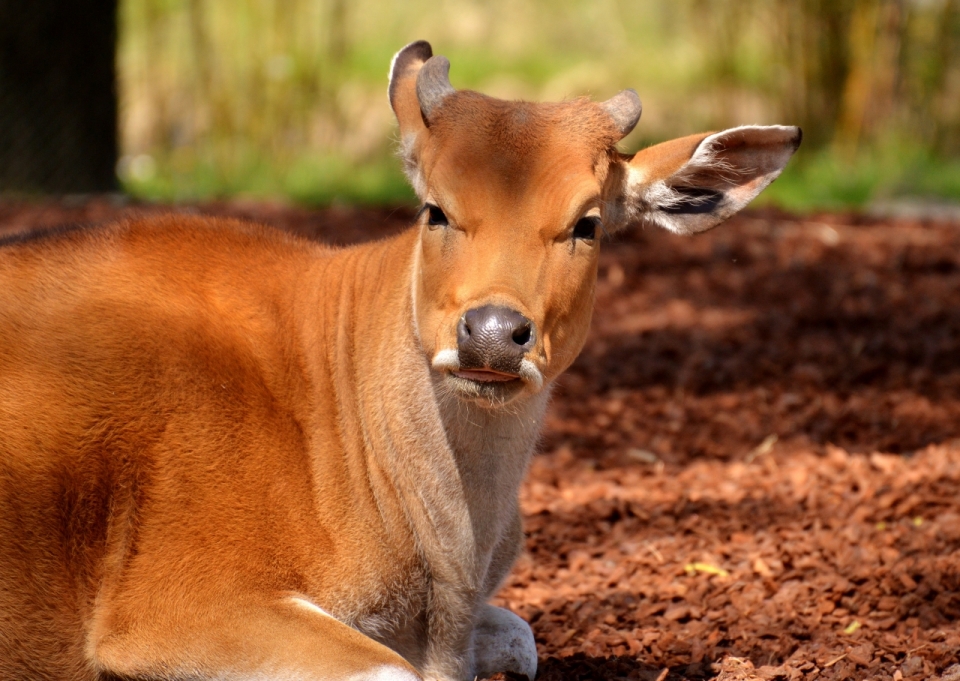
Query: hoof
column 503, row 642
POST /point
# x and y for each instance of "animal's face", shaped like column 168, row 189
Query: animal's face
column 509, row 241
column 515, row 198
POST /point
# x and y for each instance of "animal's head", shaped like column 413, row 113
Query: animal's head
column 515, row 196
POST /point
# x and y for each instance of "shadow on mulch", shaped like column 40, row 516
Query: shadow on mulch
column 580, row 667
column 842, row 334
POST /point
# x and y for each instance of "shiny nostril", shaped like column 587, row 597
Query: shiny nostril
column 497, row 325
column 522, row 335
column 463, row 330
column 494, row 337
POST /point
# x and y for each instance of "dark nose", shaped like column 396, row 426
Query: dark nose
column 494, row 337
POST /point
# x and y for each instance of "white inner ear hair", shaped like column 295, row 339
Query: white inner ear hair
column 652, row 202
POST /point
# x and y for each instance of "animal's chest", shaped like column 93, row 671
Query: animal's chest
column 388, row 602
column 394, row 604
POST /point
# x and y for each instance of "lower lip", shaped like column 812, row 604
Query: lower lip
column 485, row 376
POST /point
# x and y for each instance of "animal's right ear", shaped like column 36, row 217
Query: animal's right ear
column 414, row 93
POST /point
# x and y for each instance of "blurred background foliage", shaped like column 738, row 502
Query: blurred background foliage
column 262, row 98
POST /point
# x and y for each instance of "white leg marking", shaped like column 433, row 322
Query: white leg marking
column 385, row 673
column 503, row 642
column 307, row 605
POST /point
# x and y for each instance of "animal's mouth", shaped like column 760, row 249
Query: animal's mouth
column 485, row 375
column 483, row 380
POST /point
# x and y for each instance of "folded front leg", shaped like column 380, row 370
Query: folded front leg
column 290, row 638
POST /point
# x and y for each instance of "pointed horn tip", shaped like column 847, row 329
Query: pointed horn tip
column 437, row 66
column 433, row 83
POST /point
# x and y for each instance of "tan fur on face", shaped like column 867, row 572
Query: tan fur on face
column 513, row 187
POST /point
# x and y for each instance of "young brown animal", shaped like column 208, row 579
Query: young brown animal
column 228, row 453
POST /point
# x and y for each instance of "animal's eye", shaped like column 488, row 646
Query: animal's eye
column 586, row 228
column 435, row 216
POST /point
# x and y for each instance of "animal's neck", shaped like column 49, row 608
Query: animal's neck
column 378, row 388
column 458, row 459
column 421, row 461
column 492, row 448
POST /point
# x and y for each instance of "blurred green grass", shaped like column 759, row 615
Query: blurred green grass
column 826, row 180
column 258, row 99
column 312, row 179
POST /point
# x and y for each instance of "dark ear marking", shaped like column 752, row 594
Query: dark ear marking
column 419, row 51
column 693, row 200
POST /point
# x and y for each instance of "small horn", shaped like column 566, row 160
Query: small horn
column 433, row 84
column 624, row 108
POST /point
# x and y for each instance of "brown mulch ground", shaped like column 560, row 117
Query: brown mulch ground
column 753, row 470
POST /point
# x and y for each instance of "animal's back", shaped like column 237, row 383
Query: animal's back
column 117, row 345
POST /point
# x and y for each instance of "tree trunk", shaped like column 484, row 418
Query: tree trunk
column 58, row 103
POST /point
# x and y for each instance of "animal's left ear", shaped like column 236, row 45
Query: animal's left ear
column 692, row 184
